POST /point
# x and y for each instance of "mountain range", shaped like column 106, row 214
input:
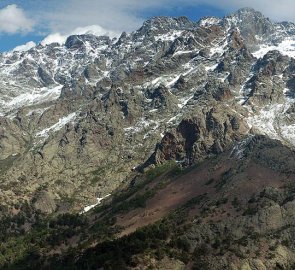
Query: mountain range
column 171, row 147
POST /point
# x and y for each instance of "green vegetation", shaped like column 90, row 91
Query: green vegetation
column 126, row 200
column 170, row 167
column 138, row 201
column 224, row 178
column 45, row 234
column 251, row 211
column 221, row 201
column 164, row 238
column 209, row 182
column 235, row 202
column 49, row 234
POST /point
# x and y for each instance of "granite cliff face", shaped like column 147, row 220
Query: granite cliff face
column 77, row 118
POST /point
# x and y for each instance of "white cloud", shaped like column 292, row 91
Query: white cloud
column 92, row 29
column 95, row 30
column 14, row 20
column 54, row 38
column 126, row 15
column 29, row 45
column 71, row 14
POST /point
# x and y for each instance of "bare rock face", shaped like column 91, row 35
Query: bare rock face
column 12, row 140
column 79, row 117
column 209, row 132
column 264, row 89
column 252, row 24
column 45, row 202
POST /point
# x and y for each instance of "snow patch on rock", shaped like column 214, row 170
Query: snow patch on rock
column 272, row 121
column 286, row 47
column 207, row 22
column 32, row 97
column 89, row 207
column 59, row 125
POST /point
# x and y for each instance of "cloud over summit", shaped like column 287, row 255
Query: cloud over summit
column 93, row 29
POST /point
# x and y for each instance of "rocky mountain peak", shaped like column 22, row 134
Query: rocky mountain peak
column 247, row 15
column 252, row 25
column 247, row 11
column 163, row 24
column 77, row 41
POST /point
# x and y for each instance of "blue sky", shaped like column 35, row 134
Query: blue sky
column 33, row 20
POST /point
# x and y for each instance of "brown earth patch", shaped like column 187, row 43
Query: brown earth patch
column 202, row 180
